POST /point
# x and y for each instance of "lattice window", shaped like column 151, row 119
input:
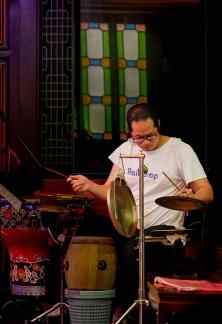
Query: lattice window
column 56, row 82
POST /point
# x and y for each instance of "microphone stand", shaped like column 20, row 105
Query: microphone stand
column 141, row 291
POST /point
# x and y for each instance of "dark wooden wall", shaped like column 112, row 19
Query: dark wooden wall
column 19, row 84
column 189, row 90
column 175, row 37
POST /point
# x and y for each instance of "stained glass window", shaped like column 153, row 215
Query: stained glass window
column 97, row 90
column 132, row 69
column 96, row 79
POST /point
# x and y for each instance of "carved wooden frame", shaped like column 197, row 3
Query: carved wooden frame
column 3, row 24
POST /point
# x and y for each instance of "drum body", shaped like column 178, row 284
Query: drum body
column 91, row 263
column 29, row 259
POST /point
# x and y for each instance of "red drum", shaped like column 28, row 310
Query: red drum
column 29, row 259
column 28, row 215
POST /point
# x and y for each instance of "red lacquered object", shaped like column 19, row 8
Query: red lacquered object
column 29, row 259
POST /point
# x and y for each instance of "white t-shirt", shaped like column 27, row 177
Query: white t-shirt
column 177, row 159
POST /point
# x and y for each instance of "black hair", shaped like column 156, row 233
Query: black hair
column 142, row 111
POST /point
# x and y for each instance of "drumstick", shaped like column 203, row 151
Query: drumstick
column 56, row 172
column 171, row 181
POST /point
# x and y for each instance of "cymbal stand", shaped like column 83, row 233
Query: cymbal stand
column 141, row 291
column 61, row 304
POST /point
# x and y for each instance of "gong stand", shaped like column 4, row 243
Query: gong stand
column 141, row 291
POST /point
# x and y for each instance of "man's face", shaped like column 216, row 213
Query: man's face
column 144, row 134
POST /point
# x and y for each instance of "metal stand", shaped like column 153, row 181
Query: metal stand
column 61, row 304
column 141, row 291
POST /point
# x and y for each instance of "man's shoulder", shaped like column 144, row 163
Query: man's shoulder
column 181, row 146
column 126, row 145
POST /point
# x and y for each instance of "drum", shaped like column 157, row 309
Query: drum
column 28, row 215
column 91, row 263
column 29, row 259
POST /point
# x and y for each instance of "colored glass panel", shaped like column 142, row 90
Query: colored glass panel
column 84, row 81
column 142, row 45
column 122, row 118
column 96, row 73
column 121, row 82
column 106, row 45
column 143, row 83
column 108, row 112
column 107, row 79
column 83, row 43
column 132, row 68
column 85, row 112
column 120, row 44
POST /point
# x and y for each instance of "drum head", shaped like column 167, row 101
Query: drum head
column 122, row 208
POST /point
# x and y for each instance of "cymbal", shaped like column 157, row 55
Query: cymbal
column 181, row 203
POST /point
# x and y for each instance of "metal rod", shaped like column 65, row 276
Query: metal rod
column 132, row 156
column 141, row 291
column 141, row 238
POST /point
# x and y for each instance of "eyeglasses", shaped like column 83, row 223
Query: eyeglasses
column 149, row 137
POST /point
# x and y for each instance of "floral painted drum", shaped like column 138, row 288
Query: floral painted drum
column 27, row 246
column 28, row 215
column 29, row 259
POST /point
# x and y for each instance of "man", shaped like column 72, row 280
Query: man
column 165, row 158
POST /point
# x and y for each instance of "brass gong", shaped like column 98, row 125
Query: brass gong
column 122, row 208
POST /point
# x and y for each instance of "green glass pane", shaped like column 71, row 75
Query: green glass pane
column 122, row 118
column 106, row 45
column 83, row 43
column 121, row 83
column 85, row 117
column 120, row 44
column 84, row 81
column 107, row 80
column 108, row 117
column 143, row 83
column 142, row 45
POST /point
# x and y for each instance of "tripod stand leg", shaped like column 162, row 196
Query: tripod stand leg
column 49, row 311
column 126, row 312
column 141, row 302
